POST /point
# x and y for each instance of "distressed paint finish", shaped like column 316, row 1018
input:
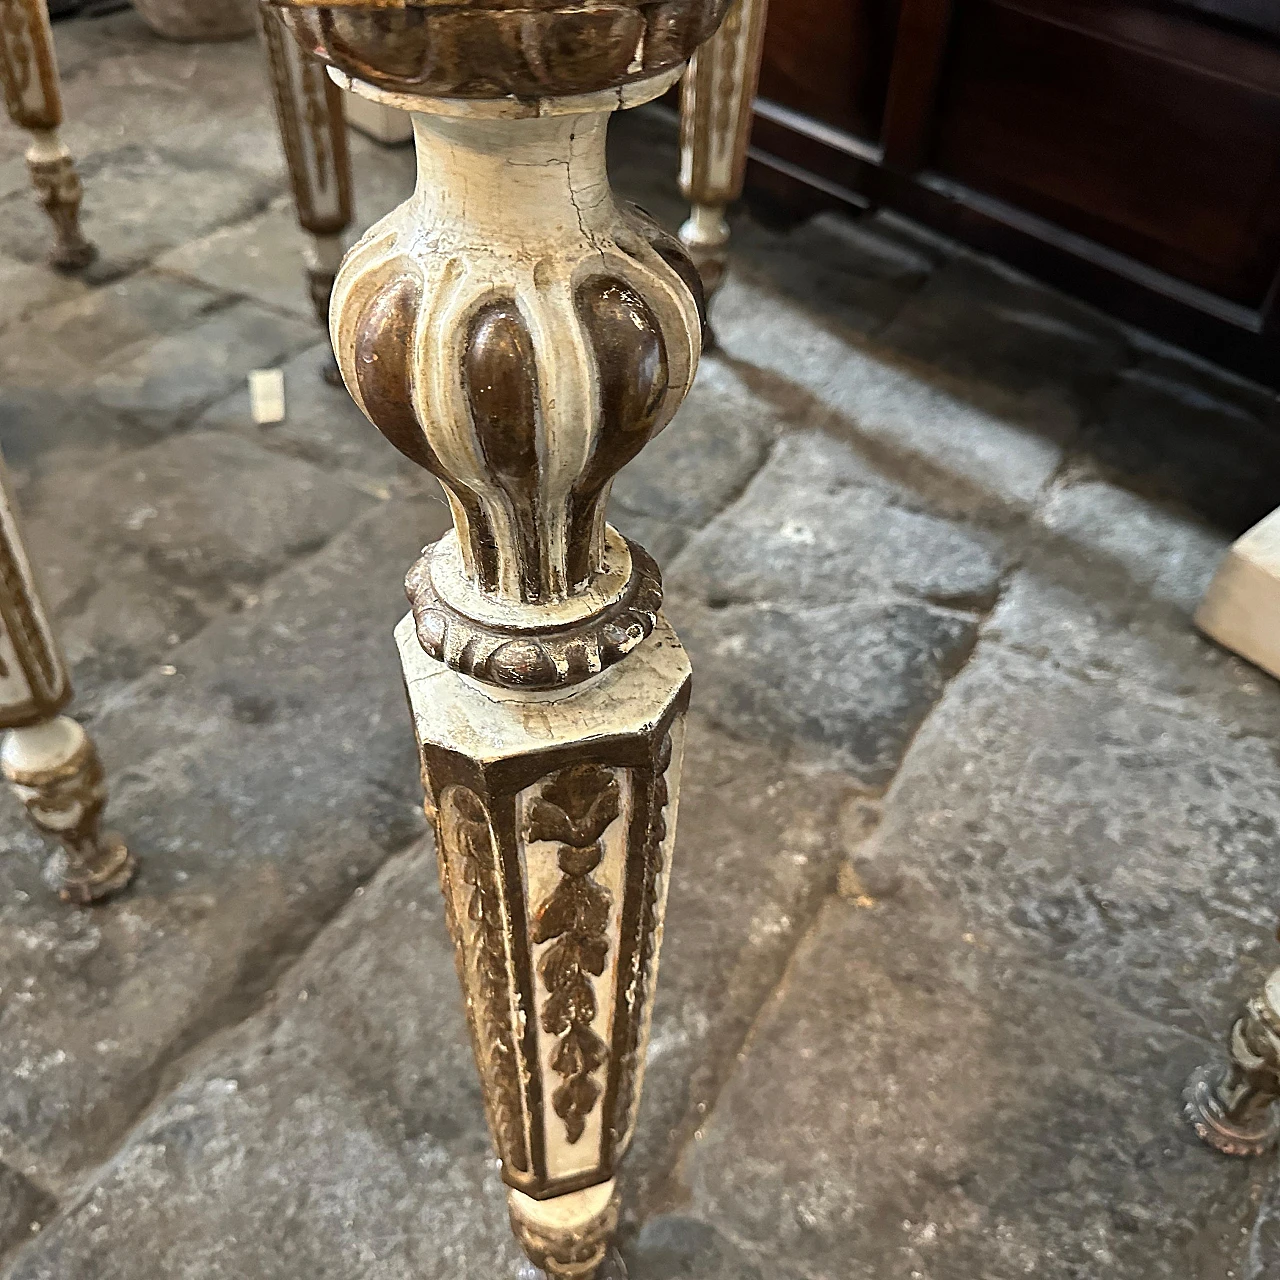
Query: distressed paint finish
column 715, row 128
column 29, row 77
column 522, row 349
column 517, row 332
column 48, row 758
column 313, row 135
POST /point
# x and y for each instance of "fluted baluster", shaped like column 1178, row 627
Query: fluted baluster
column 313, row 136
column 715, row 129
column 47, row 757
column 519, row 333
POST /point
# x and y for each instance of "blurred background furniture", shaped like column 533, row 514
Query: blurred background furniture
column 29, row 76
column 1126, row 151
column 48, row 758
column 313, row 133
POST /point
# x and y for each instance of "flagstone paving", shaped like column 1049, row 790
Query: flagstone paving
column 978, row 836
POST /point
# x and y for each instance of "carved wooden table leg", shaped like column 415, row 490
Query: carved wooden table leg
column 313, row 133
column 48, row 758
column 29, row 74
column 518, row 333
column 1232, row 1106
column 715, row 128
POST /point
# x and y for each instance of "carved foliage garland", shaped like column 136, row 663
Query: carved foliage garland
column 575, row 809
column 469, row 838
column 629, row 1068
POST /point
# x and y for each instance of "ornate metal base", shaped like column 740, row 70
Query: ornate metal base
column 82, row 886
column 53, row 174
column 1202, row 1106
column 55, row 770
column 613, row 1268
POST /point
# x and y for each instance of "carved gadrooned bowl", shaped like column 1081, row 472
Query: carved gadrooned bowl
column 489, row 49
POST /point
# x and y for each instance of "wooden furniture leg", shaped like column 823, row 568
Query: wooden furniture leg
column 29, row 75
column 1232, row 1106
column 715, row 127
column 313, row 133
column 516, row 331
column 47, row 757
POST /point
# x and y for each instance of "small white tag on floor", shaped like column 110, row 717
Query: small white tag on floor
column 266, row 395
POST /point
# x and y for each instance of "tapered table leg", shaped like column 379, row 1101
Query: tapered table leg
column 47, row 757
column 715, row 127
column 1232, row 1106
column 516, row 331
column 29, row 74
column 313, row 134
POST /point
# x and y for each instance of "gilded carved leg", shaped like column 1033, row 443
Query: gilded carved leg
column 715, row 128
column 47, row 757
column 29, row 75
column 313, row 133
column 519, row 333
column 1232, row 1106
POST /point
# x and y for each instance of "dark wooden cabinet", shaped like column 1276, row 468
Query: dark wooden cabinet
column 1125, row 151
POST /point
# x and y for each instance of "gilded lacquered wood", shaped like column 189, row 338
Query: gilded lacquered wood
column 519, row 333
column 313, row 135
column 1234, row 1106
column 29, row 77
column 48, row 759
column 715, row 130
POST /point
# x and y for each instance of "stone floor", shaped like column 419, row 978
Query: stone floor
column 932, row 535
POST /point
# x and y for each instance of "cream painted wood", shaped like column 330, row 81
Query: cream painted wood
column 33, row 97
column 1241, row 609
column 520, row 333
column 715, row 130
column 49, row 759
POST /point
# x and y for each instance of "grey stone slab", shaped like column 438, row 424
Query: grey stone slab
column 28, row 286
column 82, row 332
column 322, row 425
column 139, row 201
column 756, row 852
column 262, row 775
column 259, row 258
column 1025, row 350
column 818, row 525
column 24, row 1209
column 1129, row 844
column 853, row 274
column 918, row 1104
column 1175, row 429
column 137, row 554
column 1108, row 587
column 676, row 1247
column 920, row 423
column 338, row 1132
column 849, row 683
column 165, row 383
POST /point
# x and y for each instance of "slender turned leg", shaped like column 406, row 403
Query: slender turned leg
column 47, row 757
column 1232, row 1106
column 313, row 132
column 715, row 127
column 523, row 343
column 29, row 74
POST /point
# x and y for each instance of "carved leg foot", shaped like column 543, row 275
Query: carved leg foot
column 613, row 1268
column 32, row 94
column 715, row 128
column 313, row 134
column 568, row 1237
column 55, row 770
column 1233, row 1107
column 57, row 184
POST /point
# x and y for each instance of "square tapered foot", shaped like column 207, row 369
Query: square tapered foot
column 555, row 820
